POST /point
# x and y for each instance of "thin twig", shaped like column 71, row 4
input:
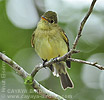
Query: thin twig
column 37, row 87
column 58, row 59
column 83, row 23
column 95, row 64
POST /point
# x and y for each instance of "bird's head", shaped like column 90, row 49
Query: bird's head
column 50, row 17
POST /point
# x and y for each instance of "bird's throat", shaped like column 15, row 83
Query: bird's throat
column 43, row 25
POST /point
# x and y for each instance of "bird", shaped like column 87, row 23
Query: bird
column 50, row 41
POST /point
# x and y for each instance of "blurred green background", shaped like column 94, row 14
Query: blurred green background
column 18, row 20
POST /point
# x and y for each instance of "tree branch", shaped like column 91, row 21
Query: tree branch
column 87, row 62
column 83, row 23
column 50, row 62
column 37, row 87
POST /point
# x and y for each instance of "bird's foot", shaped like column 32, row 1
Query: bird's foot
column 44, row 61
column 55, row 59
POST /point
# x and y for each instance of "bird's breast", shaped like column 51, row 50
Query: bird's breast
column 50, row 45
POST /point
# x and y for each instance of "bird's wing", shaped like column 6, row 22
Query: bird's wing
column 32, row 40
column 67, row 42
column 64, row 36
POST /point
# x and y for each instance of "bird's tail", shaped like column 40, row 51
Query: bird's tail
column 65, row 81
column 60, row 70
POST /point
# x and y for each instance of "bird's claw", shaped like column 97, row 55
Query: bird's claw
column 56, row 58
column 44, row 61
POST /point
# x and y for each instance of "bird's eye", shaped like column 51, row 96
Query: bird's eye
column 52, row 21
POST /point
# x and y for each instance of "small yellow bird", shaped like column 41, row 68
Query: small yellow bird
column 50, row 41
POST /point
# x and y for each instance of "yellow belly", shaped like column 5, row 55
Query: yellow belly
column 48, row 47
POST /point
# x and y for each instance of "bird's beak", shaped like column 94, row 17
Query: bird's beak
column 43, row 18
